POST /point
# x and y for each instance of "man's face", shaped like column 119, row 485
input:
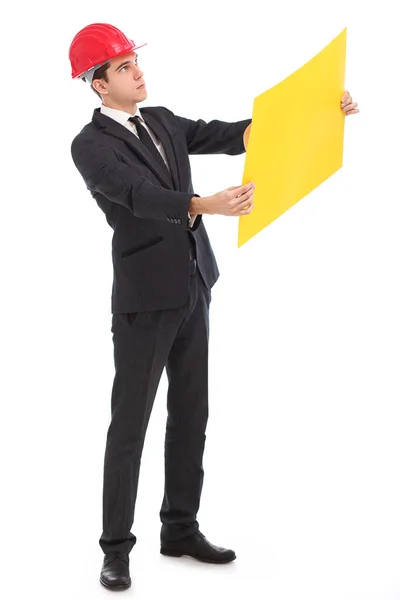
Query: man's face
column 125, row 79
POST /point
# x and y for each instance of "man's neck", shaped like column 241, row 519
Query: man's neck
column 128, row 107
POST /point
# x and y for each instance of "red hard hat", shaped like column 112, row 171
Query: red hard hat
column 95, row 44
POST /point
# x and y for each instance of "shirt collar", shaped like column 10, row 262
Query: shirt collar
column 119, row 115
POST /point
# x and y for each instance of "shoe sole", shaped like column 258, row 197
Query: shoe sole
column 177, row 554
column 117, row 588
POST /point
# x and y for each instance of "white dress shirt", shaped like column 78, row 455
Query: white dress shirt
column 122, row 117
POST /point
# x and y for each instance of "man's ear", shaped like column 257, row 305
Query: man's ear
column 99, row 87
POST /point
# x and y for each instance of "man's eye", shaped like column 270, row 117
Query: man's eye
column 126, row 66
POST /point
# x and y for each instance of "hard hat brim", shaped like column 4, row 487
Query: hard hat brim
column 88, row 74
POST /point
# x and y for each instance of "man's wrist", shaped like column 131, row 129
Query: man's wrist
column 197, row 206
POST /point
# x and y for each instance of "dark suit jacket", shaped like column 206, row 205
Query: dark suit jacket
column 149, row 216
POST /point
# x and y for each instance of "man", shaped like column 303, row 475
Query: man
column 136, row 166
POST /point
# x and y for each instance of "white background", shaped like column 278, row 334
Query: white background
column 302, row 460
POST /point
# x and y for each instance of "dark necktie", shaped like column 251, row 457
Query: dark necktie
column 145, row 138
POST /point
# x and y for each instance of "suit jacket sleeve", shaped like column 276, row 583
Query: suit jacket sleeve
column 215, row 137
column 103, row 173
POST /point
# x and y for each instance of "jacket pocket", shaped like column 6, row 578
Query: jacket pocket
column 141, row 247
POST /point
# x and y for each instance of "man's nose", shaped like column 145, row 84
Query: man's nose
column 138, row 73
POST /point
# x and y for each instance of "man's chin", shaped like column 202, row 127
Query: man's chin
column 141, row 95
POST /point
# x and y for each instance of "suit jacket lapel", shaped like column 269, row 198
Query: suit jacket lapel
column 112, row 127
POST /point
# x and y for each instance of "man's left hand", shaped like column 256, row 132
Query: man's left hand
column 348, row 106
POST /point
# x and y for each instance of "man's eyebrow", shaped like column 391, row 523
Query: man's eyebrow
column 126, row 62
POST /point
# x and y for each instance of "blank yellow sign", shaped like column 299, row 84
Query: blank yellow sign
column 296, row 137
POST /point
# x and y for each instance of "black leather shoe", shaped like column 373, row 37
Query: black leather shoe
column 115, row 571
column 198, row 547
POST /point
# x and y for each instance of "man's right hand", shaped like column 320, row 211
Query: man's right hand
column 233, row 202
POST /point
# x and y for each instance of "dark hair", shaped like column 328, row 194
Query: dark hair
column 100, row 73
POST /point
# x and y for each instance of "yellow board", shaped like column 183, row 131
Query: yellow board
column 296, row 137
